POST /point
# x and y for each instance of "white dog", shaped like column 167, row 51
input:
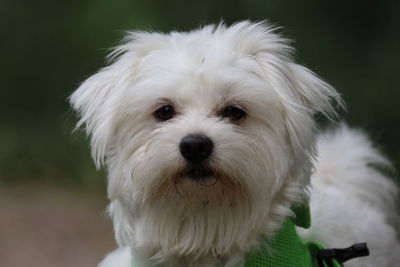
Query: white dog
column 209, row 139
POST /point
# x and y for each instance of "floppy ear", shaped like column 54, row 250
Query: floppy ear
column 99, row 99
column 94, row 101
column 312, row 92
column 306, row 94
column 302, row 93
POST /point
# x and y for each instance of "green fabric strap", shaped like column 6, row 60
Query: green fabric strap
column 286, row 249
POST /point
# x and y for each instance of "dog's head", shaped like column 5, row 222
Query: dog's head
column 206, row 135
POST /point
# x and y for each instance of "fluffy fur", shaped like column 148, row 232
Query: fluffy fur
column 260, row 165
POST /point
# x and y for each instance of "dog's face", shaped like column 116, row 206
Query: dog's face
column 204, row 134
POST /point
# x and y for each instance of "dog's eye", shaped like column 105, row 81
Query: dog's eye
column 164, row 113
column 233, row 113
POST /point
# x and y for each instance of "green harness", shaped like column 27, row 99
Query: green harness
column 286, row 249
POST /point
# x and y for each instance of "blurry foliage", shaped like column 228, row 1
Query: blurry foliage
column 49, row 47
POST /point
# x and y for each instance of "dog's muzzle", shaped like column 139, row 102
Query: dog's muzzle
column 196, row 149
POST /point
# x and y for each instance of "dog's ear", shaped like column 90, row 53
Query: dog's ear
column 310, row 91
column 99, row 99
column 94, row 104
column 302, row 92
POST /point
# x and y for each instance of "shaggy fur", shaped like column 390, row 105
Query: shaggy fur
column 260, row 165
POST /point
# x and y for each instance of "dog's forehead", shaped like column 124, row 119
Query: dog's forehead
column 182, row 58
column 205, row 72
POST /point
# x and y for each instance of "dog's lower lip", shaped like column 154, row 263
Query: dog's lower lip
column 199, row 173
column 203, row 176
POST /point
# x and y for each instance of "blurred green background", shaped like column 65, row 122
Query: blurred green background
column 49, row 47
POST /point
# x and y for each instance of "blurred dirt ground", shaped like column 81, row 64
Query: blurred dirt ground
column 52, row 227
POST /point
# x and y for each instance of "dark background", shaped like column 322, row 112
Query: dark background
column 49, row 47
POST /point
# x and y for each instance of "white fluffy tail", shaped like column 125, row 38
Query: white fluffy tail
column 351, row 201
column 348, row 160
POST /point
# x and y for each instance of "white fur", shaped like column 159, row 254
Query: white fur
column 351, row 201
column 118, row 258
column 261, row 165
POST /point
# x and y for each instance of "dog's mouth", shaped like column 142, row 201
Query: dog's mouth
column 201, row 174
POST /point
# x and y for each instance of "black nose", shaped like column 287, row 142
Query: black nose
column 196, row 148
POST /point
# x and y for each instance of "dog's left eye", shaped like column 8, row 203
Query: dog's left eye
column 164, row 113
column 233, row 113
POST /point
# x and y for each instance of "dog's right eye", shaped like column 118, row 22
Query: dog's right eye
column 164, row 113
column 235, row 114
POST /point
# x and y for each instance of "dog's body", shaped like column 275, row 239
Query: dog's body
column 208, row 138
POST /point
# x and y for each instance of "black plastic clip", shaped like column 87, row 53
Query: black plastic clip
column 341, row 255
